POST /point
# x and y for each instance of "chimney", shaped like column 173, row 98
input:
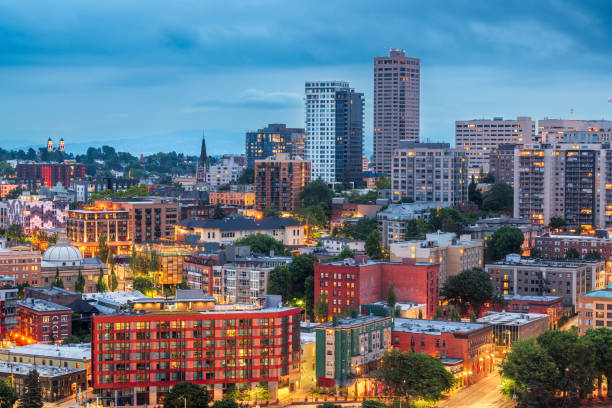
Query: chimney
column 409, row 261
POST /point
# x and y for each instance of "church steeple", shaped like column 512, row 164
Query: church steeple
column 202, row 164
column 203, row 155
column 49, row 145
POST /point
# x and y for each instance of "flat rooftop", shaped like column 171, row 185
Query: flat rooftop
column 543, row 298
column 43, row 370
column 435, row 327
column 402, row 305
column 511, row 319
column 40, row 305
column 370, row 262
column 603, row 293
column 349, row 322
column 68, row 351
column 552, row 263
column 116, row 298
column 53, row 291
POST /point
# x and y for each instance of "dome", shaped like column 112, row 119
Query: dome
column 63, row 254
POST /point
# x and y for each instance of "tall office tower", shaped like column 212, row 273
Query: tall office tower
column 273, row 139
column 202, row 166
column 397, row 93
column 573, row 182
column 555, row 130
column 349, row 135
column 334, row 130
column 429, row 172
column 479, row 137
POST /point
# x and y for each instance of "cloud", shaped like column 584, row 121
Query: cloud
column 255, row 99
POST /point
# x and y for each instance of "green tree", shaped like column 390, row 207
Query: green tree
column 143, row 284
column 473, row 317
column 322, row 308
column 247, row 177
column 391, row 299
column 499, row 198
column 474, row 195
column 535, row 252
column 572, row 253
column 360, row 229
column 383, row 183
column 8, row 395
column 225, row 403
column 31, row 396
column 594, row 255
column 79, row 285
column 329, row 405
column 271, row 212
column 373, row 246
column 112, row 279
column 438, row 313
column 317, row 192
column 58, row 283
column 533, row 372
column 263, row 244
column 446, row 219
column 556, row 223
column 454, row 315
column 314, row 215
column 101, row 286
column 278, row 282
column 601, row 341
column 218, row 213
column 103, row 250
column 373, row 404
column 414, row 375
column 470, row 288
column 185, row 393
column 504, row 241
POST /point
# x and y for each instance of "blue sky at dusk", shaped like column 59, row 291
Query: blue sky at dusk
column 148, row 76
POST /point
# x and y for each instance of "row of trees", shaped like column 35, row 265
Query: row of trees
column 31, row 396
column 558, row 369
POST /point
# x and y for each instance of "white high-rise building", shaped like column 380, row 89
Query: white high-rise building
column 559, row 130
column 321, row 127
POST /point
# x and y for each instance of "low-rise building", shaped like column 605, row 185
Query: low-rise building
column 21, row 265
column 240, row 199
column 239, row 284
column 60, row 296
column 335, row 245
column 555, row 246
column 227, row 170
column 348, row 284
column 350, row 348
column 550, row 305
column 289, row 231
column 406, row 310
column 510, row 327
column 486, row 227
column 8, row 306
column 535, row 277
column 454, row 255
column 85, row 227
column 341, row 208
column 44, row 321
column 595, row 310
column 465, row 348
column 394, row 220
column 112, row 302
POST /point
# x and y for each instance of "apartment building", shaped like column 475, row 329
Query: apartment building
column 44, row 321
column 526, row 276
column 349, row 283
column 395, row 219
column 226, row 171
column 484, row 228
column 397, row 100
column 85, row 227
column 240, row 199
column 8, row 306
column 595, row 310
column 279, row 180
column 510, row 327
column 428, row 172
column 137, row 356
column 273, row 139
column 556, row 246
column 21, row 265
column 553, row 130
column 501, row 163
column 239, row 284
column 33, row 213
column 50, row 173
column 479, row 137
column 453, row 254
column 350, row 348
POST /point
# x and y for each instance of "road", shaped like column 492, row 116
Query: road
column 483, row 394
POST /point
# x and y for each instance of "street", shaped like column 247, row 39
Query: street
column 480, row 395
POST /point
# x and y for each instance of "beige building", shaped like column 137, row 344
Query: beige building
column 240, row 199
column 290, row 232
column 595, row 310
column 478, row 137
column 553, row 130
column 21, row 265
column 454, row 255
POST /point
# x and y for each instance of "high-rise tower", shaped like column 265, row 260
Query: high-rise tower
column 397, row 93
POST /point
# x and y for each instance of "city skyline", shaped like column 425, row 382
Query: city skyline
column 96, row 75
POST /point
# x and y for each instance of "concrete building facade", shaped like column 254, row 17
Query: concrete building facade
column 595, row 310
column 279, row 180
column 273, row 139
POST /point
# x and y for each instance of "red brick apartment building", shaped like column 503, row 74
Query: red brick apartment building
column 137, row 357
column 44, row 321
column 555, row 246
column 549, row 305
column 279, row 180
column 465, row 348
column 51, row 173
column 348, row 285
column 23, row 266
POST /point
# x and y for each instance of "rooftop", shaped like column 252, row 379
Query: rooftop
column 349, row 322
column 542, row 298
column 40, row 305
column 515, row 259
column 603, row 293
column 435, row 326
column 52, row 290
column 511, row 319
column 71, row 351
column 410, row 208
column 43, row 370
column 240, row 223
column 114, row 298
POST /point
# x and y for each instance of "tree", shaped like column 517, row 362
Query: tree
column 473, row 317
column 454, row 315
column 446, row 219
column 317, row 192
column 322, row 308
column 31, row 396
column 8, row 395
column 383, row 183
column 218, row 213
column 372, row 245
column 556, row 223
column 185, row 393
column 601, row 341
column 474, row 195
column 247, row 177
column 225, row 403
column 414, row 375
column 391, row 299
column 572, row 253
column 112, row 279
column 533, row 372
column 278, row 282
column 499, row 198
column 594, row 255
column 271, row 212
column 504, row 241
column 143, row 284
column 101, row 285
column 360, row 229
column 58, row 283
column 470, row 288
column 329, row 405
column 79, row 285
column 373, row 404
column 420, row 317
column 263, row 244
column 103, row 250
column 535, row 252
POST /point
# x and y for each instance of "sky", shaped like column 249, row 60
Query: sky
column 147, row 75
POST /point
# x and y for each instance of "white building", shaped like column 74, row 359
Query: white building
column 553, row 130
column 321, row 127
column 335, row 245
column 394, row 220
column 226, row 171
